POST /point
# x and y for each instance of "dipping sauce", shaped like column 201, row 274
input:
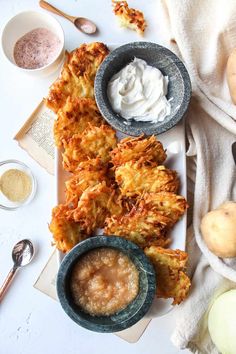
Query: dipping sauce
column 138, row 92
column 36, row 48
column 104, row 281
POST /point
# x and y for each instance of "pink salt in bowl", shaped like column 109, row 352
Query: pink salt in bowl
column 23, row 24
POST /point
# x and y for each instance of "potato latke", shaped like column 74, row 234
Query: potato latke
column 170, row 265
column 129, row 17
column 139, row 148
column 92, row 143
column 77, row 75
column 74, row 117
column 135, row 178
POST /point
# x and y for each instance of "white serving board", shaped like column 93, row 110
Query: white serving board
column 174, row 142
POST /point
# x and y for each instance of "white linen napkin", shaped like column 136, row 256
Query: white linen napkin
column 203, row 33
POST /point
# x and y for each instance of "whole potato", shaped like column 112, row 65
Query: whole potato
column 231, row 75
column 218, row 229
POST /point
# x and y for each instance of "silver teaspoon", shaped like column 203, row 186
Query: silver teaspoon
column 22, row 254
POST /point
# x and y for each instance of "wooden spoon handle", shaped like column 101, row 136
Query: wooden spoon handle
column 45, row 5
column 7, row 282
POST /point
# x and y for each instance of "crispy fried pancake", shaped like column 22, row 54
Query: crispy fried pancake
column 143, row 227
column 139, row 148
column 74, row 117
column 128, row 17
column 88, row 173
column 135, row 178
column 172, row 282
column 96, row 203
column 149, row 219
column 170, row 205
column 66, row 232
column 77, row 75
column 94, row 142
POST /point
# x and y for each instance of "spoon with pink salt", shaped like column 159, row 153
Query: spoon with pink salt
column 81, row 23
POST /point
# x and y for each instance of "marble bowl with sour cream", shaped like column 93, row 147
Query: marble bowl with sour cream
column 142, row 88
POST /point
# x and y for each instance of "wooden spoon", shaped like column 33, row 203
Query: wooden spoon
column 81, row 23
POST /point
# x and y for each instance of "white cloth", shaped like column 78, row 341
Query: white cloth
column 205, row 34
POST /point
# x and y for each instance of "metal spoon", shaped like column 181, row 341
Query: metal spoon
column 22, row 254
column 81, row 23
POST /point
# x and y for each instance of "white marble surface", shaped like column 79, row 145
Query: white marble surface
column 30, row 322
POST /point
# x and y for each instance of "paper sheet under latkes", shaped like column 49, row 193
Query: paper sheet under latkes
column 36, row 137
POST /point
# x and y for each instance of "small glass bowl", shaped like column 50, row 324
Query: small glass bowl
column 6, row 165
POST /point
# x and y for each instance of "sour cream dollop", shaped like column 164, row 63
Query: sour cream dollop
column 138, row 91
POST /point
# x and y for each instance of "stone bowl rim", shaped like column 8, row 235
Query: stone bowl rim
column 113, row 118
column 111, row 242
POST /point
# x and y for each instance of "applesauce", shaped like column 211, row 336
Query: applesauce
column 104, row 281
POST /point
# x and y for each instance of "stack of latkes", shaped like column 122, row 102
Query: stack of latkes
column 121, row 187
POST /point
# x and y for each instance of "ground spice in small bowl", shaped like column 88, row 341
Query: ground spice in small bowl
column 16, row 185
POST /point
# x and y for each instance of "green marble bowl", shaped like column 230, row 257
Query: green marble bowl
column 124, row 318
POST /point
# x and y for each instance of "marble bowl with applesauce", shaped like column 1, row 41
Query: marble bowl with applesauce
column 127, row 316
column 179, row 86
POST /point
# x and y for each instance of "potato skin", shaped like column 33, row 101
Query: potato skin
column 218, row 229
column 231, row 75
